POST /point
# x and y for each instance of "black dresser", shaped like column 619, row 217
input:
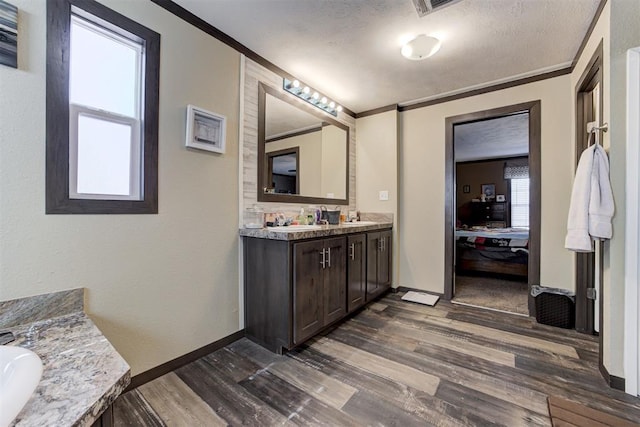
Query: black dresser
column 490, row 213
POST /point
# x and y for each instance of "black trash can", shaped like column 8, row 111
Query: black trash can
column 555, row 307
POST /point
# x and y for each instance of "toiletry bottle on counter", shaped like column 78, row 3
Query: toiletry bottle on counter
column 302, row 218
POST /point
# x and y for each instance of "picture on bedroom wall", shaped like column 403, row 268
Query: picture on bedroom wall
column 489, row 191
column 8, row 34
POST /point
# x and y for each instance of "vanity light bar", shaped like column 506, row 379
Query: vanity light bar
column 311, row 96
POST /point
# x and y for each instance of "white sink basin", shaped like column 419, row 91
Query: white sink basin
column 294, row 228
column 20, row 372
column 355, row 224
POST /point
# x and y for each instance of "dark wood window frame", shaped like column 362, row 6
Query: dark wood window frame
column 57, row 116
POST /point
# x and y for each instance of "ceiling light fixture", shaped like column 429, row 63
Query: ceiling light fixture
column 316, row 99
column 421, row 47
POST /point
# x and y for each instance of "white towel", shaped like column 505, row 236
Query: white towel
column 601, row 205
column 592, row 205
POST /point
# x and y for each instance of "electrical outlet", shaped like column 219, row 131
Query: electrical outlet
column 383, row 195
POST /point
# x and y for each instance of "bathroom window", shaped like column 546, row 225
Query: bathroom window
column 106, row 90
column 520, row 202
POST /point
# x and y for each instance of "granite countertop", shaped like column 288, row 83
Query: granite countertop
column 324, row 231
column 82, row 373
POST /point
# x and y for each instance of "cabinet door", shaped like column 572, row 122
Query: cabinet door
column 307, row 290
column 356, row 271
column 373, row 246
column 384, row 261
column 335, row 279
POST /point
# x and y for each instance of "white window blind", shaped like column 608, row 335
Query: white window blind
column 520, row 202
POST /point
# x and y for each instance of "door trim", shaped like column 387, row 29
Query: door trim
column 632, row 242
column 585, row 262
column 535, row 173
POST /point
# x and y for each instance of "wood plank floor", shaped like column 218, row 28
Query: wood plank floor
column 394, row 363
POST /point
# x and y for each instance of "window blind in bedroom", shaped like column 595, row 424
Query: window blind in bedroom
column 520, row 202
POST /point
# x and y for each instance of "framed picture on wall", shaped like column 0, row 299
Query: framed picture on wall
column 205, row 130
column 8, row 34
column 489, row 190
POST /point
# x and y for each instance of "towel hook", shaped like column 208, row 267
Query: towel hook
column 592, row 128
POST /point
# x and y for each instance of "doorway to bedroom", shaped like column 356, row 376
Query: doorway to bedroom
column 493, row 206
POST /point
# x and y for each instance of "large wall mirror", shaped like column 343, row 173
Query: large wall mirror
column 303, row 155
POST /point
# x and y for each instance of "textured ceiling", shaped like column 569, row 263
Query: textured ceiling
column 502, row 137
column 350, row 49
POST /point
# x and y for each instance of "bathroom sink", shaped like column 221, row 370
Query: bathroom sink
column 20, row 372
column 355, row 224
column 294, row 228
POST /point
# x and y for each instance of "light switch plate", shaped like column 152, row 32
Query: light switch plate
column 383, row 195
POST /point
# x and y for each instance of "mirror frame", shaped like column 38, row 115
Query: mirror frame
column 263, row 90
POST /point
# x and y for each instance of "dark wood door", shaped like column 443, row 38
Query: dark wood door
column 378, row 263
column 373, row 247
column 356, row 271
column 335, row 279
column 308, row 314
column 384, row 261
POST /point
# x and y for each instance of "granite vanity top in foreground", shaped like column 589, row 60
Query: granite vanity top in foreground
column 324, row 231
column 82, row 372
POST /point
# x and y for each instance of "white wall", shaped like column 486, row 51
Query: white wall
column 377, row 167
column 334, row 162
column 158, row 286
column 422, row 179
column 624, row 35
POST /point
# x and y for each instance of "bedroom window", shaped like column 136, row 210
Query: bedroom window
column 520, row 202
column 102, row 111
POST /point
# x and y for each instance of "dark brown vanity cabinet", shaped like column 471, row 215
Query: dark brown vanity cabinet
column 295, row 288
column 378, row 263
column 356, row 271
column 319, row 285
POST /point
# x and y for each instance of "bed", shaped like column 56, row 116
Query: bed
column 496, row 251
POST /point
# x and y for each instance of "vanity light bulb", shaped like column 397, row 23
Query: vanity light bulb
column 296, row 84
column 324, row 100
column 332, row 104
column 316, row 95
column 339, row 108
column 306, row 90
